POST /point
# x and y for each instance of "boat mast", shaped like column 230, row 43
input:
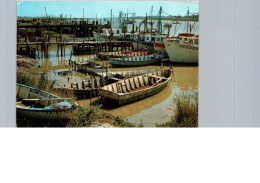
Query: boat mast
column 160, row 21
column 188, row 20
column 151, row 23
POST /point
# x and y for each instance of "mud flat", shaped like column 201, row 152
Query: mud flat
column 25, row 62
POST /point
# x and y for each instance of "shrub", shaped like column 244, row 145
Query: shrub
column 25, row 79
column 186, row 111
column 84, row 117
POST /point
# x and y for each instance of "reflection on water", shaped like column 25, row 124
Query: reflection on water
column 151, row 110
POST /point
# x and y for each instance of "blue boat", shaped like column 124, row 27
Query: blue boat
column 137, row 60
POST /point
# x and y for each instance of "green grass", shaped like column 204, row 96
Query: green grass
column 186, row 111
column 41, row 82
column 25, row 79
column 86, row 116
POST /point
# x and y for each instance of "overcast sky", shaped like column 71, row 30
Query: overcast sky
column 102, row 8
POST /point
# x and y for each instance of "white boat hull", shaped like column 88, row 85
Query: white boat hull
column 180, row 54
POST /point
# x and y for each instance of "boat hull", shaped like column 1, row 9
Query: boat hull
column 180, row 54
column 62, row 115
column 134, row 63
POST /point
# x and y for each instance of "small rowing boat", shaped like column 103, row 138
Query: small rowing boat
column 136, row 88
column 137, row 60
column 38, row 104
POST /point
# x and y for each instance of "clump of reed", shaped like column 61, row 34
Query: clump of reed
column 86, row 116
column 25, row 78
column 186, row 111
column 42, row 82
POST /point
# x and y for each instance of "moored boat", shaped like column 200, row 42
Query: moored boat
column 37, row 104
column 89, row 67
column 183, row 49
column 136, row 88
column 137, row 60
column 118, row 54
column 85, row 89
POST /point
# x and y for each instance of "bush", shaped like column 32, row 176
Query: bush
column 119, row 121
column 44, row 83
column 186, row 112
column 25, row 79
column 84, row 117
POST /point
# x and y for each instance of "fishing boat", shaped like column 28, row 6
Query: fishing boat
column 183, row 49
column 106, row 33
column 146, row 41
column 136, row 88
column 137, row 60
column 33, row 103
column 118, row 54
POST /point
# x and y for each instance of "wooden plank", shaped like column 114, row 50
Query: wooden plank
column 109, row 88
column 114, row 88
column 119, row 87
column 152, row 80
column 123, row 87
column 131, row 80
column 145, row 79
column 141, row 81
column 136, row 82
column 128, row 87
column 83, row 84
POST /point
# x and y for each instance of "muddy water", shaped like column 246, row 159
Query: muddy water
column 151, row 110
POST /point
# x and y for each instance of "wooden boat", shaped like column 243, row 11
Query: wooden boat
column 137, row 60
column 90, row 88
column 136, row 88
column 89, row 67
column 37, row 104
column 119, row 54
column 82, row 89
